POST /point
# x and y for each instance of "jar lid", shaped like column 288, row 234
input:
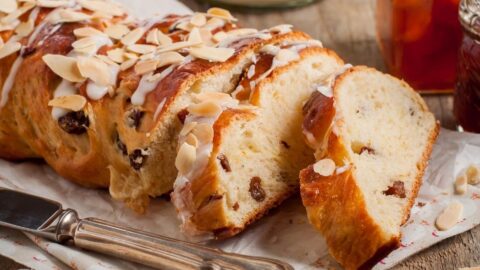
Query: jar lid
column 469, row 16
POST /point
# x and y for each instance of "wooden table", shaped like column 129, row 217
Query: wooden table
column 348, row 27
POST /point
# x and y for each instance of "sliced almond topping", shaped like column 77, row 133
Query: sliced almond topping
column 102, row 15
column 106, row 59
column 187, row 154
column 217, row 97
column 212, row 53
column 83, row 42
column 64, row 66
column 1, row 42
column 117, row 31
column 163, row 39
column 71, row 102
column 8, row 6
column 146, row 66
column 176, row 46
column 102, row 6
column 52, row 3
column 281, row 29
column 169, row 58
column 220, row 13
column 24, row 28
column 128, row 64
column 214, row 23
column 94, row 69
column 473, row 175
column 89, row 50
column 461, row 184
column 152, row 36
column 203, row 132
column 9, row 48
column 186, row 26
column 131, row 55
column 450, row 216
column 133, row 36
column 192, row 140
column 187, row 128
column 219, row 36
column 206, row 108
column 242, row 32
column 68, row 15
column 116, row 55
column 324, row 167
column 16, row 13
column 198, row 20
column 87, row 32
column 206, row 37
column 194, row 36
column 141, row 48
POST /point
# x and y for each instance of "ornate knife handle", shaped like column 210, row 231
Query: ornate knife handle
column 153, row 250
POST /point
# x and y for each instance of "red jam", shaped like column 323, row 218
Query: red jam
column 420, row 40
column 467, row 91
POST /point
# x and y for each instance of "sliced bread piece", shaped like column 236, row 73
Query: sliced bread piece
column 377, row 133
column 251, row 162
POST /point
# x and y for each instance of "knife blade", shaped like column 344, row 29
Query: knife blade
column 48, row 219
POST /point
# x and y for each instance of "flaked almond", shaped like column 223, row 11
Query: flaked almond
column 163, row 39
column 83, row 42
column 87, row 32
column 116, row 55
column 128, row 64
column 220, row 13
column 219, row 36
column 24, row 28
column 106, row 59
column 185, row 26
column 88, row 50
column 146, row 66
column 102, row 15
column 203, row 132
column 64, row 66
column 16, row 13
column 9, row 48
column 141, row 48
column 94, row 69
column 68, row 15
column 169, row 58
column 206, row 37
column 242, row 32
column 133, row 36
column 211, row 53
column 194, row 36
column 187, row 154
column 71, row 102
column 214, row 23
column 473, row 175
column 117, row 31
column 461, row 184
column 8, row 6
column 53, row 3
column 198, row 20
column 130, row 55
column 216, row 97
column 324, row 167
column 176, row 46
column 192, row 140
column 450, row 216
column 102, row 6
column 152, row 37
column 206, row 108
column 187, row 128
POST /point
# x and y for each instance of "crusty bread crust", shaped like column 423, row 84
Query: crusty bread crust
column 335, row 204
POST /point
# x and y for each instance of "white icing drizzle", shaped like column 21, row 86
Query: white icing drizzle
column 159, row 108
column 65, row 88
column 96, row 91
column 148, row 83
column 326, row 88
column 231, row 39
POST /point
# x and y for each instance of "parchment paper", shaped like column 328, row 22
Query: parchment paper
column 284, row 234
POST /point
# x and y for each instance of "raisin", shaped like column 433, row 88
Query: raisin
column 137, row 158
column 135, row 117
column 28, row 51
column 74, row 122
column 236, row 206
column 121, row 146
column 256, row 190
column 224, row 162
column 285, row 144
column 367, row 149
column 182, row 115
column 421, row 204
column 397, row 190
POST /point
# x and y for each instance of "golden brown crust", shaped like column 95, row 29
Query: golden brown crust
column 335, row 204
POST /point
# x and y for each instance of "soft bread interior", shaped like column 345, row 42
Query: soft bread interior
column 270, row 146
column 387, row 128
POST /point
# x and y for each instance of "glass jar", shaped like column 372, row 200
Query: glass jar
column 467, row 90
column 419, row 40
column 261, row 3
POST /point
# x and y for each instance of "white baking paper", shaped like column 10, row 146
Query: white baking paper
column 284, row 233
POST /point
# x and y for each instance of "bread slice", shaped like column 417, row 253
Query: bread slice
column 251, row 162
column 379, row 134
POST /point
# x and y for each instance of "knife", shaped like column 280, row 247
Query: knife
column 47, row 219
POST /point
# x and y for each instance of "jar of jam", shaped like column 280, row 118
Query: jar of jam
column 419, row 40
column 467, row 90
